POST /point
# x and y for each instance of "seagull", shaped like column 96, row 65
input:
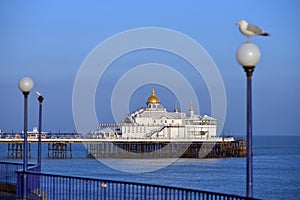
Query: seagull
column 250, row 29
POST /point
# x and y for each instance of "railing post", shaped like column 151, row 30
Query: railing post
column 20, row 189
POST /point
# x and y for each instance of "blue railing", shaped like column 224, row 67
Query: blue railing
column 8, row 178
column 71, row 188
column 50, row 186
column 8, row 171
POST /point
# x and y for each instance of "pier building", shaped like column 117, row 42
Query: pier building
column 154, row 121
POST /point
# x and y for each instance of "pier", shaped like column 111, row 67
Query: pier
column 134, row 148
column 165, row 149
column 15, row 149
column 60, row 150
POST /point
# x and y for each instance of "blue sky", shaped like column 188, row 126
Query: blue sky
column 48, row 41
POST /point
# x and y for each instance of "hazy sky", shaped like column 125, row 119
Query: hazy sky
column 48, row 41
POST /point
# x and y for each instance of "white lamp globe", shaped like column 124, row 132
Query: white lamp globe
column 248, row 55
column 26, row 84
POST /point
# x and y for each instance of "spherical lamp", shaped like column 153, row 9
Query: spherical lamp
column 248, row 55
column 26, row 84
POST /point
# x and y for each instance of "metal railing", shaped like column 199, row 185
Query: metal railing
column 71, row 188
column 8, row 171
column 8, row 178
column 50, row 186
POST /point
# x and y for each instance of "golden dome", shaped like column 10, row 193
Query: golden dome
column 153, row 98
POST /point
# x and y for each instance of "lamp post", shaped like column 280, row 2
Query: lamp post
column 40, row 99
column 248, row 55
column 25, row 85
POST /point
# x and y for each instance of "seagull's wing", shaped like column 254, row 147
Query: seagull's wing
column 255, row 29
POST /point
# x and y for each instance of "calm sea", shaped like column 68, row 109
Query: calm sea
column 276, row 169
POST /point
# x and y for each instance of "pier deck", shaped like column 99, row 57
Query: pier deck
column 135, row 147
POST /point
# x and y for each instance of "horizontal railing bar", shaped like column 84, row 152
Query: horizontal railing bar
column 15, row 163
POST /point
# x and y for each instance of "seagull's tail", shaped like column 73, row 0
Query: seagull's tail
column 265, row 34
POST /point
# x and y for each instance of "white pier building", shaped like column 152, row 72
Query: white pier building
column 155, row 122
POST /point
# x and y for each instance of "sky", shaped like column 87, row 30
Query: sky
column 49, row 41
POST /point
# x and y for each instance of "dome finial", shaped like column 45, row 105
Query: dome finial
column 153, row 92
column 191, row 107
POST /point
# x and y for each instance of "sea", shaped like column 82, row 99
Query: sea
column 276, row 169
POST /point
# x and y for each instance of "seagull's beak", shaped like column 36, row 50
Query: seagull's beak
column 238, row 23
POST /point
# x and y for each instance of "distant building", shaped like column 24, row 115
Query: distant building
column 155, row 121
column 34, row 134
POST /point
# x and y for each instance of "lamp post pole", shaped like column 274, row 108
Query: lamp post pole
column 249, row 71
column 25, row 85
column 40, row 99
column 25, row 157
column 248, row 55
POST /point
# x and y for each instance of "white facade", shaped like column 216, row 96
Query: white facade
column 155, row 121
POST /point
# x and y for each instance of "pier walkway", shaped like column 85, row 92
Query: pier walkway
column 88, row 140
